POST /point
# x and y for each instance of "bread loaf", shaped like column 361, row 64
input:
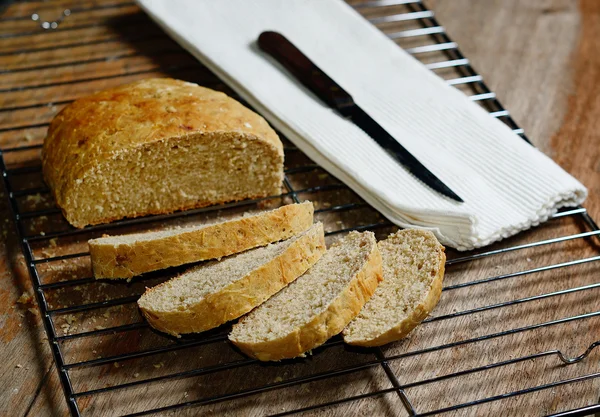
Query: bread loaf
column 413, row 271
column 157, row 146
column 209, row 295
column 316, row 306
column 130, row 255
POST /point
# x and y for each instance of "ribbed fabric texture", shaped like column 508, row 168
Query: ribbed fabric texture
column 507, row 185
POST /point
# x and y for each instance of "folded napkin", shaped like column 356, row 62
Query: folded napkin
column 507, row 184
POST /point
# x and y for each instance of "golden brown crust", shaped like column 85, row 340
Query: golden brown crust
column 94, row 129
column 415, row 318
column 112, row 261
column 241, row 296
column 330, row 322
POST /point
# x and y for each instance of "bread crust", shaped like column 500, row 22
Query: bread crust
column 415, row 318
column 95, row 129
column 124, row 261
column 326, row 324
column 241, row 296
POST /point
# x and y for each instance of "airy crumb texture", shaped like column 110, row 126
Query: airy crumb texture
column 130, row 255
column 157, row 146
column 413, row 271
column 316, row 306
column 209, row 295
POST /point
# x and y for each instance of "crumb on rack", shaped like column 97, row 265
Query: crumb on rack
column 25, row 298
column 34, row 198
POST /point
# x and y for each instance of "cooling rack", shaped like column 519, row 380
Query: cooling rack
column 514, row 333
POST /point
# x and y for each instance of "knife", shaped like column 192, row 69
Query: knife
column 313, row 78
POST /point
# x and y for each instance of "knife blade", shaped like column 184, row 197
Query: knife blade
column 313, row 78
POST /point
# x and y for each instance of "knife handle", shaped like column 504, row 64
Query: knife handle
column 311, row 76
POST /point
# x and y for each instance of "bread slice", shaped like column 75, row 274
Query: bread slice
column 209, row 295
column 413, row 271
column 156, row 146
column 316, row 306
column 130, row 255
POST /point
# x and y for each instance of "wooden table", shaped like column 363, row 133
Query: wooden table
column 541, row 57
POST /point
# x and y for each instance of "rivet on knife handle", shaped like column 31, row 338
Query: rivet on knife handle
column 316, row 80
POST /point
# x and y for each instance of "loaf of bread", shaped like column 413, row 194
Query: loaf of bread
column 413, row 271
column 130, row 255
column 209, row 295
column 314, row 307
column 157, row 146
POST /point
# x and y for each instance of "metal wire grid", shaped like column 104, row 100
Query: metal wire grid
column 481, row 93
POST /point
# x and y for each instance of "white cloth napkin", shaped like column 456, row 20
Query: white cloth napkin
column 507, row 185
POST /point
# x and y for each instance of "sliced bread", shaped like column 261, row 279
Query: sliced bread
column 413, row 271
column 130, row 255
column 316, row 306
column 209, row 295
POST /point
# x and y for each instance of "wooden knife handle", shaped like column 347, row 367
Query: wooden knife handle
column 311, row 76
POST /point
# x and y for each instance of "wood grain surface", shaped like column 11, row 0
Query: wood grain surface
column 540, row 57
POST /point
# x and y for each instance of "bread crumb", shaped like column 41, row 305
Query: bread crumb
column 137, row 374
column 34, row 198
column 159, row 365
column 33, row 311
column 18, row 365
column 116, row 364
column 528, row 259
column 278, row 379
column 25, row 298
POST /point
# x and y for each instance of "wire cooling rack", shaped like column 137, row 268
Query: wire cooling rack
column 514, row 333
